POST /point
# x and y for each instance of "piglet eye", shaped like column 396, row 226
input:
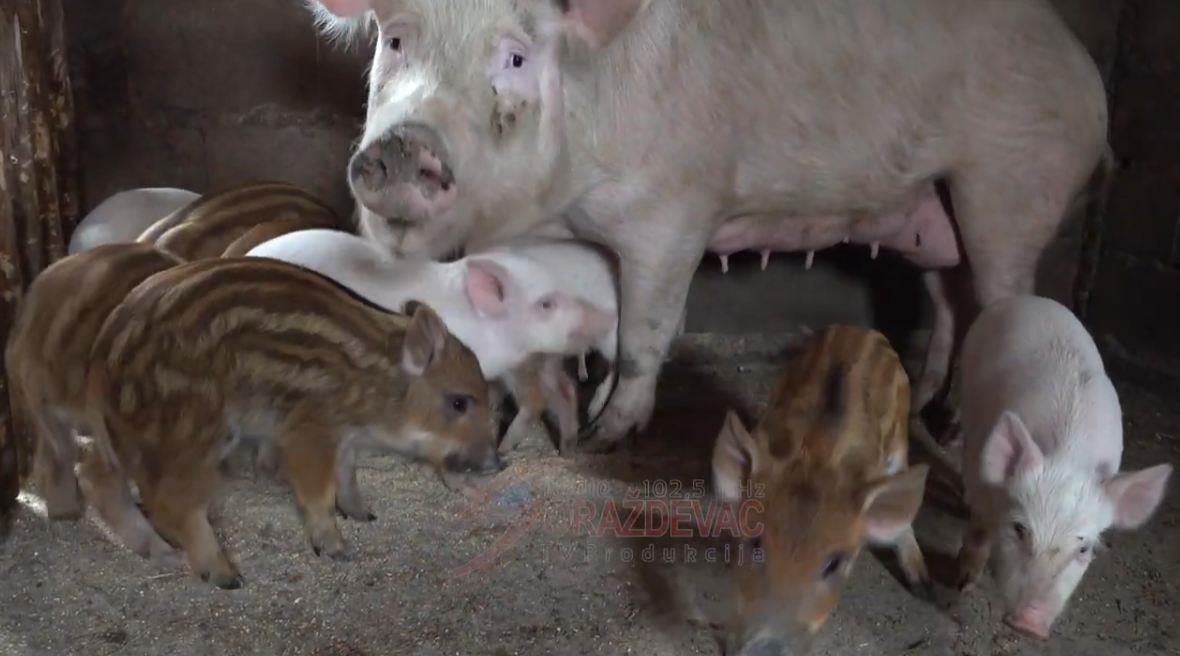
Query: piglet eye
column 395, row 44
column 1020, row 530
column 517, row 60
column 458, row 403
column 547, row 304
column 832, row 565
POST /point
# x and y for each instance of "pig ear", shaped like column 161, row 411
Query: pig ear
column 424, row 341
column 891, row 505
column 1008, row 450
column 347, row 22
column 1137, row 494
column 597, row 22
column 487, row 287
column 344, row 8
column 733, row 458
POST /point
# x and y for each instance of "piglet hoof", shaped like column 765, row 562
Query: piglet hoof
column 266, row 460
column 230, row 580
column 922, row 589
column 364, row 516
column 967, row 581
column 335, row 549
column 356, row 514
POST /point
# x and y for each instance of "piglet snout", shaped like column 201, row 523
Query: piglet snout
column 483, row 462
column 1031, row 621
column 594, row 325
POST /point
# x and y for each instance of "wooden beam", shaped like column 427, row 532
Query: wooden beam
column 38, row 186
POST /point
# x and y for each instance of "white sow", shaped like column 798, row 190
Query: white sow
column 1043, row 440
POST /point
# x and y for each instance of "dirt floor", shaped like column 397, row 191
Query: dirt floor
column 501, row 571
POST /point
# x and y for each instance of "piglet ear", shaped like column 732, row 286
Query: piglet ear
column 1137, row 494
column 487, row 287
column 424, row 341
column 891, row 505
column 597, row 22
column 733, row 458
column 345, row 8
column 1008, row 451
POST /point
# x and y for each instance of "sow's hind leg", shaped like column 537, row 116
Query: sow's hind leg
column 1008, row 202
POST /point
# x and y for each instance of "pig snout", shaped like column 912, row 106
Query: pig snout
column 1032, row 621
column 595, row 324
column 403, row 175
column 483, row 461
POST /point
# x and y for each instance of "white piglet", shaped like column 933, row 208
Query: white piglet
column 125, row 215
column 1043, row 443
column 505, row 305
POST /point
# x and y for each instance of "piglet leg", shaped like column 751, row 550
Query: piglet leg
column 349, row 500
column 975, row 552
column 178, row 503
column 56, row 454
column 526, row 387
column 106, row 489
column 913, row 565
column 309, row 456
column 561, row 402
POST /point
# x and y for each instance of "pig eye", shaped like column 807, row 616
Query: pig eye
column 547, row 304
column 517, row 60
column 832, row 565
column 1020, row 530
column 395, row 44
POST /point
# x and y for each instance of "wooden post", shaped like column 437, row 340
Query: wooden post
column 38, row 185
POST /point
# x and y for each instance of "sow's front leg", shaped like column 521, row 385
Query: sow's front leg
column 658, row 254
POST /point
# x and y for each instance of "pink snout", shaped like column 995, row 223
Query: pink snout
column 595, row 324
column 1030, row 621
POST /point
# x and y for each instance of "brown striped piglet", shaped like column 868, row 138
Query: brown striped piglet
column 124, row 216
column 509, row 305
column 213, row 351
column 1043, row 441
column 49, row 350
column 231, row 222
column 824, row 472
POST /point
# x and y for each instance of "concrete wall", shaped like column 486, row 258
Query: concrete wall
column 209, row 94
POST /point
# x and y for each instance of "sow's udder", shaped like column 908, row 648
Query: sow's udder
column 922, row 233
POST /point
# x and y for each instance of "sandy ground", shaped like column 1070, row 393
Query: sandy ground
column 502, row 572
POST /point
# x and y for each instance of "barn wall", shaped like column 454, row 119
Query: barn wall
column 1134, row 306
column 205, row 95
